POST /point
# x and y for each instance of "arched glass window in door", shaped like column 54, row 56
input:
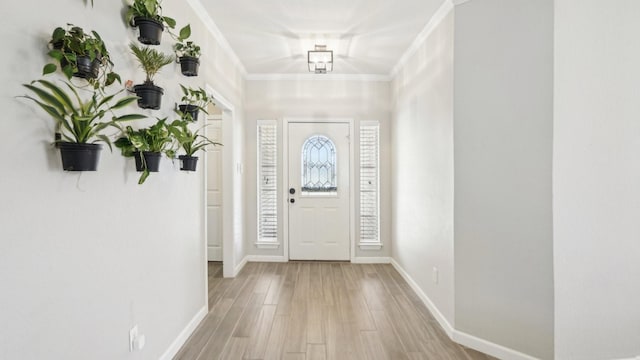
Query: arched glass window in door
column 319, row 165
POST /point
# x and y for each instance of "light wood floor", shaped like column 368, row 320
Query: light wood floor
column 317, row 310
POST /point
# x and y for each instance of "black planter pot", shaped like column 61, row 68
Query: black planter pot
column 79, row 157
column 150, row 30
column 150, row 96
column 151, row 159
column 191, row 110
column 188, row 162
column 189, row 65
column 87, row 69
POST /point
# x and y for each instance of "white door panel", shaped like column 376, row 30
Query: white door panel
column 214, row 192
column 319, row 216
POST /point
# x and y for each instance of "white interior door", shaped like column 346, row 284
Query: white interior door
column 318, row 191
column 214, row 192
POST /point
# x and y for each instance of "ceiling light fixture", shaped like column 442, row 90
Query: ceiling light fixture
column 320, row 60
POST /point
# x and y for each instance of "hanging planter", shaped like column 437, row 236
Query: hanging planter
column 146, row 146
column 87, row 69
column 193, row 100
column 147, row 16
column 188, row 163
column 189, row 110
column 79, row 123
column 151, row 61
column 187, row 53
column 79, row 157
column 189, row 65
column 190, row 141
column 81, row 54
column 149, row 29
column 148, row 159
column 149, row 96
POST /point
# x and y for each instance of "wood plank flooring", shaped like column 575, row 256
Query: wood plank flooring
column 317, row 310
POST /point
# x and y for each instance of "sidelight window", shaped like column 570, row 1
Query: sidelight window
column 369, row 185
column 267, row 184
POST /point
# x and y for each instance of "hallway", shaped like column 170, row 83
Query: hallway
column 317, row 310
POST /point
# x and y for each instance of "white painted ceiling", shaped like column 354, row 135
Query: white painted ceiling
column 367, row 36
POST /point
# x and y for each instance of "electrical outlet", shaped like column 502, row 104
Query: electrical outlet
column 435, row 275
column 133, row 334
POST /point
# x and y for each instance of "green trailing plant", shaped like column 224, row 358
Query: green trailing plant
column 80, row 120
column 187, row 48
column 184, row 47
column 197, row 98
column 69, row 45
column 151, row 9
column 156, row 138
column 151, row 60
column 190, row 141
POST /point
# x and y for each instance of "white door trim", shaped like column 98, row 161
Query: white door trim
column 228, row 262
column 285, row 177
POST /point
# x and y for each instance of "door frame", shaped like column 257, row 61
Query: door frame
column 285, row 176
column 228, row 240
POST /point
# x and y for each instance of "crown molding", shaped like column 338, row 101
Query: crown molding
column 203, row 14
column 433, row 23
column 317, row 77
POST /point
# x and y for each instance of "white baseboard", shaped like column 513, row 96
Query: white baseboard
column 488, row 347
column 184, row 334
column 425, row 299
column 263, row 258
column 460, row 337
column 371, row 260
column 240, row 266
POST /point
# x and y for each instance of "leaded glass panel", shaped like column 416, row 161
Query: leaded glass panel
column 319, row 165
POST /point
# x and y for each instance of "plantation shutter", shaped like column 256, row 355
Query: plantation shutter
column 369, row 186
column 267, row 183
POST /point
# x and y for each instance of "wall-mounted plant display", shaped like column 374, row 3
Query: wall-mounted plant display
column 187, row 53
column 81, row 54
column 151, row 61
column 79, row 124
column 147, row 146
column 147, row 16
column 193, row 100
column 191, row 142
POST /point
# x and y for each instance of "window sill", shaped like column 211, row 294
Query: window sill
column 267, row 245
column 370, row 246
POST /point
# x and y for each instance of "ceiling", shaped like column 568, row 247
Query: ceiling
column 367, row 36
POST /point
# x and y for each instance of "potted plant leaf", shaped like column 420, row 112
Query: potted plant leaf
column 147, row 16
column 187, row 53
column 191, row 142
column 81, row 54
column 193, row 100
column 79, row 122
column 147, row 146
column 151, row 61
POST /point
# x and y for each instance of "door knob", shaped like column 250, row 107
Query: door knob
column 292, row 200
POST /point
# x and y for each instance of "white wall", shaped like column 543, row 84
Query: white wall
column 84, row 257
column 322, row 99
column 503, row 150
column 596, row 179
column 422, row 173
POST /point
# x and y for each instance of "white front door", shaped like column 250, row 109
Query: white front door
column 214, row 192
column 318, row 191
